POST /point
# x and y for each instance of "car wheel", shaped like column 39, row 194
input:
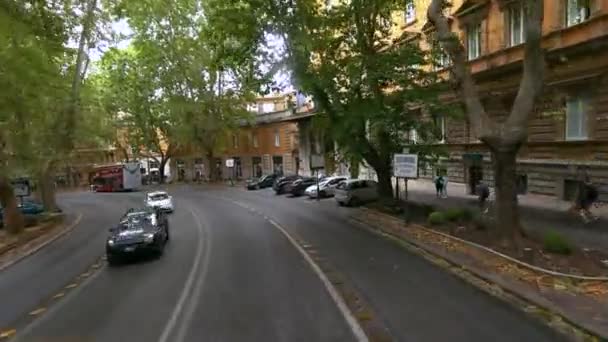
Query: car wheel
column 354, row 202
column 167, row 236
column 113, row 260
column 322, row 194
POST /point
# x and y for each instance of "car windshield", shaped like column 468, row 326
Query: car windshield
column 135, row 219
column 158, row 197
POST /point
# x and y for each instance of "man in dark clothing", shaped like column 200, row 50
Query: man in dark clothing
column 439, row 183
column 587, row 195
column 483, row 193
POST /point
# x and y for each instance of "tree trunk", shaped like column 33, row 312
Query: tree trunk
column 12, row 217
column 505, row 180
column 46, row 190
column 212, row 169
column 385, row 186
column 161, row 170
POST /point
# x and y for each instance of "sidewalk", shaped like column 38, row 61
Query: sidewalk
column 539, row 213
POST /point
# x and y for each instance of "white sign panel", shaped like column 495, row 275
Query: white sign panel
column 405, row 165
column 229, row 162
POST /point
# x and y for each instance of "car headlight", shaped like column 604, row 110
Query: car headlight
column 149, row 238
column 110, row 242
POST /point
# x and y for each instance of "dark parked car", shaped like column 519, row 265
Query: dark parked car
column 299, row 186
column 262, row 182
column 28, row 208
column 140, row 231
column 283, row 184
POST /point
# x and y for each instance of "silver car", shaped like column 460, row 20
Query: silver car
column 326, row 187
column 356, row 191
column 159, row 200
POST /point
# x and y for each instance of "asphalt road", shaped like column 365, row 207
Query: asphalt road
column 230, row 275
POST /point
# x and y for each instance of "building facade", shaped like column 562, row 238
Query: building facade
column 568, row 133
column 271, row 144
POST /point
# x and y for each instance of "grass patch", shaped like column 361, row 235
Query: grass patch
column 437, row 218
column 554, row 242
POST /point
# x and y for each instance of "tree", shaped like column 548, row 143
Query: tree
column 371, row 89
column 130, row 83
column 200, row 71
column 504, row 139
column 32, row 34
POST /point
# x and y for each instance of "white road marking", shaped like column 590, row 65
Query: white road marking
column 351, row 321
column 188, row 286
column 198, row 287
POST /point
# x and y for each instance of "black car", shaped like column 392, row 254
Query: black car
column 262, row 182
column 140, row 231
column 299, row 187
column 283, row 185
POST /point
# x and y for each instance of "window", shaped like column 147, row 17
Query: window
column 235, row 141
column 410, row 12
column 277, row 138
column 442, row 59
column 474, row 41
column 413, row 136
column 441, row 126
column 268, row 107
column 517, row 24
column 254, row 140
column 576, row 118
column 577, row 11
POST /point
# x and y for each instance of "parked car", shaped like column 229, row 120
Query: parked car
column 283, row 184
column 140, row 231
column 28, row 208
column 326, row 187
column 299, row 186
column 355, row 192
column 160, row 200
column 262, row 182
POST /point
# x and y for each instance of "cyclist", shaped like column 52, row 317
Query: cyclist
column 483, row 193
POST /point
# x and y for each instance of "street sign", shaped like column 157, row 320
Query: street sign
column 229, row 162
column 21, row 187
column 317, row 161
column 405, row 165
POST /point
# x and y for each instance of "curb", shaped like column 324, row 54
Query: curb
column 511, row 259
column 45, row 243
column 497, row 290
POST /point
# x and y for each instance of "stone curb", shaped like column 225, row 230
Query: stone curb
column 38, row 246
column 496, row 281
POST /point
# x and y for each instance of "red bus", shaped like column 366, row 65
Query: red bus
column 116, row 177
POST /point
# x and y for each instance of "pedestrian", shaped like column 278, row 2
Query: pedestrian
column 483, row 193
column 439, row 186
column 587, row 195
column 445, row 187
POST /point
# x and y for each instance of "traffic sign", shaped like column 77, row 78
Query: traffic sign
column 405, row 165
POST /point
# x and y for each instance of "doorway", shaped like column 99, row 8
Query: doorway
column 277, row 165
column 257, row 166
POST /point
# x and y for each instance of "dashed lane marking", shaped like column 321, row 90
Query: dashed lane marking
column 71, row 286
column 59, row 295
column 37, row 311
column 8, row 333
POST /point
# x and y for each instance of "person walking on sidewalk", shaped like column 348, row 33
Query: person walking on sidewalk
column 483, row 193
column 586, row 195
column 439, row 183
column 444, row 193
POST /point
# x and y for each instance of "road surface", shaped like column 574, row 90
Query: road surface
column 230, row 275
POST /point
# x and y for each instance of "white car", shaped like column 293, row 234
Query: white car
column 160, row 200
column 356, row 191
column 326, row 187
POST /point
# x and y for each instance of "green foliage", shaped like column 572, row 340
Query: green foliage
column 437, row 218
column 459, row 214
column 370, row 89
column 554, row 242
